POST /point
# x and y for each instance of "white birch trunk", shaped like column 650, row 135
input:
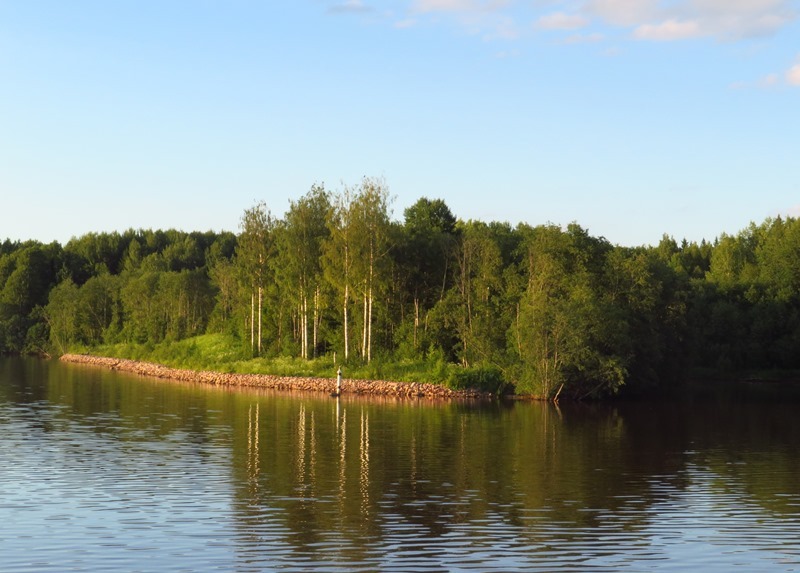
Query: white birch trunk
column 346, row 337
column 260, row 297
column 316, row 319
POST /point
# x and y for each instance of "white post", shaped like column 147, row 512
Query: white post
column 339, row 381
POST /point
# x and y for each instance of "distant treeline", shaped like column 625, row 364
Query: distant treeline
column 542, row 308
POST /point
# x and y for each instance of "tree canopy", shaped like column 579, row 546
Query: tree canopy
column 543, row 309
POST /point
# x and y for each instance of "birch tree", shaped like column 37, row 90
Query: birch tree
column 299, row 265
column 253, row 253
column 371, row 221
column 356, row 256
column 338, row 258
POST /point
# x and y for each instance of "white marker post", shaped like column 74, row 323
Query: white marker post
column 339, row 381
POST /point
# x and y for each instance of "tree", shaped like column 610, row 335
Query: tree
column 298, row 262
column 26, row 277
column 371, row 241
column 355, row 255
column 61, row 315
column 427, row 245
column 570, row 335
column 476, row 294
column 338, row 258
column 253, row 255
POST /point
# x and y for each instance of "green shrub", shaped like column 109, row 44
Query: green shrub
column 483, row 378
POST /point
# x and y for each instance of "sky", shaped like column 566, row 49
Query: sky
column 632, row 118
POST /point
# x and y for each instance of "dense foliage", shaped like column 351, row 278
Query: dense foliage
column 543, row 310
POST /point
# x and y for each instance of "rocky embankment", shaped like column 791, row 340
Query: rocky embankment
column 287, row 383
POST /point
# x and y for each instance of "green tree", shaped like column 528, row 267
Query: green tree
column 298, row 263
column 423, row 254
column 253, row 254
column 61, row 313
column 26, row 277
column 476, row 293
column 371, row 249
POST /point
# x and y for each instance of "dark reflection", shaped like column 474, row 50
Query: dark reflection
column 311, row 481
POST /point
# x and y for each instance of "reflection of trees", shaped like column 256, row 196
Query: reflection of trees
column 353, row 479
column 351, row 476
column 336, row 472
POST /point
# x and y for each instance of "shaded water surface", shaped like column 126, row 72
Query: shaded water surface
column 101, row 471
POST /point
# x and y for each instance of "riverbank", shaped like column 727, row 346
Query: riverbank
column 284, row 383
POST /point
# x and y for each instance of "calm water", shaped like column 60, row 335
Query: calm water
column 101, row 471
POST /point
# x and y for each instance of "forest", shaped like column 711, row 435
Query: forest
column 534, row 310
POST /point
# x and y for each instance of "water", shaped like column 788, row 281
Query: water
column 102, row 471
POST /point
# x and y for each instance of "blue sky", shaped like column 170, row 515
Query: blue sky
column 633, row 118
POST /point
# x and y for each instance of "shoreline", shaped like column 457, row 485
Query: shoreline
column 284, row 383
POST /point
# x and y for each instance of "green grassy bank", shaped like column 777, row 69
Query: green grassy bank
column 221, row 353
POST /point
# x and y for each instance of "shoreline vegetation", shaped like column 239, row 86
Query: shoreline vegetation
column 273, row 382
column 543, row 311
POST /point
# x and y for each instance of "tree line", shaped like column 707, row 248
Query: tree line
column 543, row 309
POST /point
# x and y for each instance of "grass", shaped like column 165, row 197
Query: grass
column 223, row 353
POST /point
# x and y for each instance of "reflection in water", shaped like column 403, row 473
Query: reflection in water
column 364, row 455
column 301, row 444
column 253, row 453
column 341, row 430
column 100, row 469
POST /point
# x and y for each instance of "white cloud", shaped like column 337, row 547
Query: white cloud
column 727, row 20
column 506, row 54
column 793, row 74
column 350, row 7
column 624, row 13
column 771, row 81
column 462, row 6
column 668, row 30
column 444, row 5
column 584, row 38
column 657, row 20
column 793, row 211
column 562, row 21
column 490, row 19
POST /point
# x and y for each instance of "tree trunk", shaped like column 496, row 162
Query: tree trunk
column 369, row 327
column 252, row 321
column 305, row 325
column 416, row 320
column 316, row 320
column 346, row 344
column 260, row 296
column 364, row 329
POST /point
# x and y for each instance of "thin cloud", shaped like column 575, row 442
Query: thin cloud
column 724, row 20
column 490, row 19
column 769, row 81
column 793, row 211
column 444, row 5
column 793, row 74
column 655, row 20
column 350, row 7
column 669, row 30
column 562, row 21
column 593, row 38
column 461, row 6
column 772, row 81
column 624, row 13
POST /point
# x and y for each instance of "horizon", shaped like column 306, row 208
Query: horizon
column 396, row 219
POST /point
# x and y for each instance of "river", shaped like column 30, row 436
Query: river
column 104, row 471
